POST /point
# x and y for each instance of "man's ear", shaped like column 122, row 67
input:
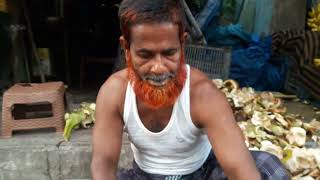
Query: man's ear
column 124, row 43
column 184, row 38
column 125, row 46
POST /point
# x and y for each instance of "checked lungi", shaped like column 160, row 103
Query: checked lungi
column 268, row 165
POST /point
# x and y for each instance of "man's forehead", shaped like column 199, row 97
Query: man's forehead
column 154, row 29
column 154, row 24
column 150, row 36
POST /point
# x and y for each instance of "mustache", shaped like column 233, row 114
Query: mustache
column 159, row 78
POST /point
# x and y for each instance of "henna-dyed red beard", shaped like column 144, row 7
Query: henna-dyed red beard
column 155, row 97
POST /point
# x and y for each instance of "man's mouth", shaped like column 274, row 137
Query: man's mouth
column 158, row 80
column 158, row 83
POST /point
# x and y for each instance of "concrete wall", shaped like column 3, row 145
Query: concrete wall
column 37, row 156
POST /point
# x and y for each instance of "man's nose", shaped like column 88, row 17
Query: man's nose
column 158, row 66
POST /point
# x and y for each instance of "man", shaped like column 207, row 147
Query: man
column 174, row 116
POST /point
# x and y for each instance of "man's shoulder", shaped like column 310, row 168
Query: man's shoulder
column 200, row 84
column 117, row 80
column 115, row 86
column 204, row 97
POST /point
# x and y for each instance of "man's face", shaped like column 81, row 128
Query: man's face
column 155, row 61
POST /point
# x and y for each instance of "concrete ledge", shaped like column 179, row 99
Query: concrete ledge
column 42, row 156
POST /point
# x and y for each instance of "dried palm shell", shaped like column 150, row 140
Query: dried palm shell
column 271, row 148
column 276, row 130
column 86, row 112
column 66, row 116
column 293, row 120
column 301, row 173
column 269, row 102
column 240, row 116
column 287, row 154
column 281, row 119
column 247, row 143
column 301, row 159
column 283, row 143
column 316, row 155
column 259, row 139
column 315, row 138
column 296, row 136
column 254, row 142
column 303, row 178
column 243, row 125
column 218, row 83
column 279, row 110
column 93, row 117
column 243, row 96
column 276, row 103
column 292, row 163
column 231, row 85
column 92, row 106
column 260, row 119
column 306, row 159
column 87, row 123
column 248, row 94
column 226, row 92
column 306, row 102
column 254, row 148
column 315, row 173
column 249, row 109
column 250, row 131
column 313, row 126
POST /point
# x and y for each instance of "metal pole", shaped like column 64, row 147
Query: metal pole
column 198, row 33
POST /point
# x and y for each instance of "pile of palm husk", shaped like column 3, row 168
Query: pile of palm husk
column 268, row 127
column 84, row 117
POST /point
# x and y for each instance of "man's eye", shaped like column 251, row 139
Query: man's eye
column 145, row 55
column 170, row 52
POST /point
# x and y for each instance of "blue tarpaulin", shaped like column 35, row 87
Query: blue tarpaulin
column 254, row 67
column 251, row 64
column 231, row 35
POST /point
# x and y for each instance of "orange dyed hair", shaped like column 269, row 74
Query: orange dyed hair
column 133, row 12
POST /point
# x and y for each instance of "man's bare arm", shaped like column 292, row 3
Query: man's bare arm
column 107, row 133
column 213, row 113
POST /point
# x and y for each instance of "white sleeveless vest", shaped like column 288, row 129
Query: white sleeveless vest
column 180, row 148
